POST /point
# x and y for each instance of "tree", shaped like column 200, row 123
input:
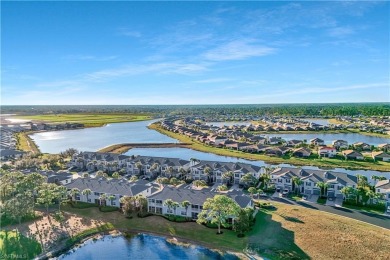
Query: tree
column 85, row 175
column 207, row 172
column 115, row 175
column 74, row 192
column 102, row 199
column 248, row 180
column 100, row 173
column 222, row 188
column 217, row 210
column 139, row 165
column 46, row 195
column 134, row 178
column 128, row 205
column 62, row 196
column 244, row 220
column 142, row 203
column 162, row 180
column 174, row 181
column 182, row 172
column 175, row 205
column 169, row 203
column 297, row 182
column 323, row 186
column 199, row 183
column 252, row 191
column 86, row 193
column 227, row 176
column 185, row 204
column 170, row 171
column 111, row 198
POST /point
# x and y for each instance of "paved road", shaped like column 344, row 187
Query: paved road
column 375, row 219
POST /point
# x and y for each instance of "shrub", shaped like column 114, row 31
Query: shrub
column 108, row 209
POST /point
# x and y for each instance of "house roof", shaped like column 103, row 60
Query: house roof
column 384, row 184
column 102, row 185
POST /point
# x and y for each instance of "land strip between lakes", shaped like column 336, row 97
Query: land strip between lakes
column 323, row 162
column 122, row 148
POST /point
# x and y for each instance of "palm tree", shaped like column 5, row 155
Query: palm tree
column 133, row 178
column 371, row 195
column 227, row 176
column 169, row 203
column 74, row 192
column 297, row 182
column 101, row 174
column 115, row 175
column 375, row 178
column 111, row 198
column 85, row 175
column 61, row 196
column 139, row 165
column 266, row 179
column 207, row 172
column 86, row 193
column 182, row 172
column 185, row 204
column 175, row 205
column 322, row 186
column 102, row 198
column 169, row 171
column 252, row 191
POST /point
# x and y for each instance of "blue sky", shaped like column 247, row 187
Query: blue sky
column 194, row 52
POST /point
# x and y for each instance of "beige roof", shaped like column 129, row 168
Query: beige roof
column 385, row 184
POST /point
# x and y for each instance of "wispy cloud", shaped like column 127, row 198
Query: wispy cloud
column 129, row 32
column 340, row 31
column 212, row 80
column 237, row 50
column 89, row 58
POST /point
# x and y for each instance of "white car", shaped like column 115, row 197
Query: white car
column 285, row 192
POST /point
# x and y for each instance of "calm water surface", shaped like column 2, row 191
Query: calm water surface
column 139, row 247
column 187, row 154
column 92, row 139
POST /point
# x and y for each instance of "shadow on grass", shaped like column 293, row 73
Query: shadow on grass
column 15, row 244
column 375, row 215
column 306, row 205
column 270, row 239
column 283, row 200
column 292, row 219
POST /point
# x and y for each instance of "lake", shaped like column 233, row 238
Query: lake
column 187, row 154
column 141, row 246
column 93, row 139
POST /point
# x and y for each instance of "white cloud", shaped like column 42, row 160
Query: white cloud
column 340, row 31
column 237, row 50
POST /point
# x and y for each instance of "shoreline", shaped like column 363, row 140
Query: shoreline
column 266, row 159
column 63, row 248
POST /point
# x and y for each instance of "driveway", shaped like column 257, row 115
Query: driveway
column 313, row 198
column 331, row 202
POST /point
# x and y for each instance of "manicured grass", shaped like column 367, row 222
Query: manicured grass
column 89, row 120
column 363, row 208
column 294, row 232
column 324, row 162
column 160, row 225
column 7, row 221
column 88, row 232
column 295, row 197
column 14, row 245
column 321, row 200
column 24, row 143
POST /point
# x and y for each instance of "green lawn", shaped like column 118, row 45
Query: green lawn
column 159, row 225
column 13, row 245
column 324, row 162
column 89, row 120
column 363, row 208
column 321, row 200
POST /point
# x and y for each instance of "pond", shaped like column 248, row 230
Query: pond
column 187, row 154
column 93, row 139
column 141, row 246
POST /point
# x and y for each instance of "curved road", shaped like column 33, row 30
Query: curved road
column 371, row 218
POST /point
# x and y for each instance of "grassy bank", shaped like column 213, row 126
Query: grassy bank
column 289, row 232
column 122, row 148
column 14, row 245
column 89, row 120
column 324, row 162
column 25, row 143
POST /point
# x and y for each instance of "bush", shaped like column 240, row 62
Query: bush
column 175, row 218
column 378, row 206
column 82, row 205
column 144, row 214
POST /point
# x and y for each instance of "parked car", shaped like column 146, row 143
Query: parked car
column 285, row 192
column 277, row 189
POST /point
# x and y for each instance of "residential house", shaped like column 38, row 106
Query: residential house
column 294, row 143
column 326, row 151
column 283, row 179
column 302, row 152
column 352, row 154
column 383, row 187
column 114, row 187
column 340, row 144
column 384, row 147
column 317, row 142
column 196, row 198
column 381, row 156
column 362, row 146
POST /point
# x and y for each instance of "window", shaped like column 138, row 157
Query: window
column 200, row 207
column 159, row 201
column 308, row 183
column 89, row 200
column 113, row 203
column 170, row 211
column 183, row 213
column 288, row 180
column 237, row 175
column 331, row 186
column 96, row 193
column 280, row 180
column 194, row 206
column 151, row 200
column 339, row 187
column 388, row 196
